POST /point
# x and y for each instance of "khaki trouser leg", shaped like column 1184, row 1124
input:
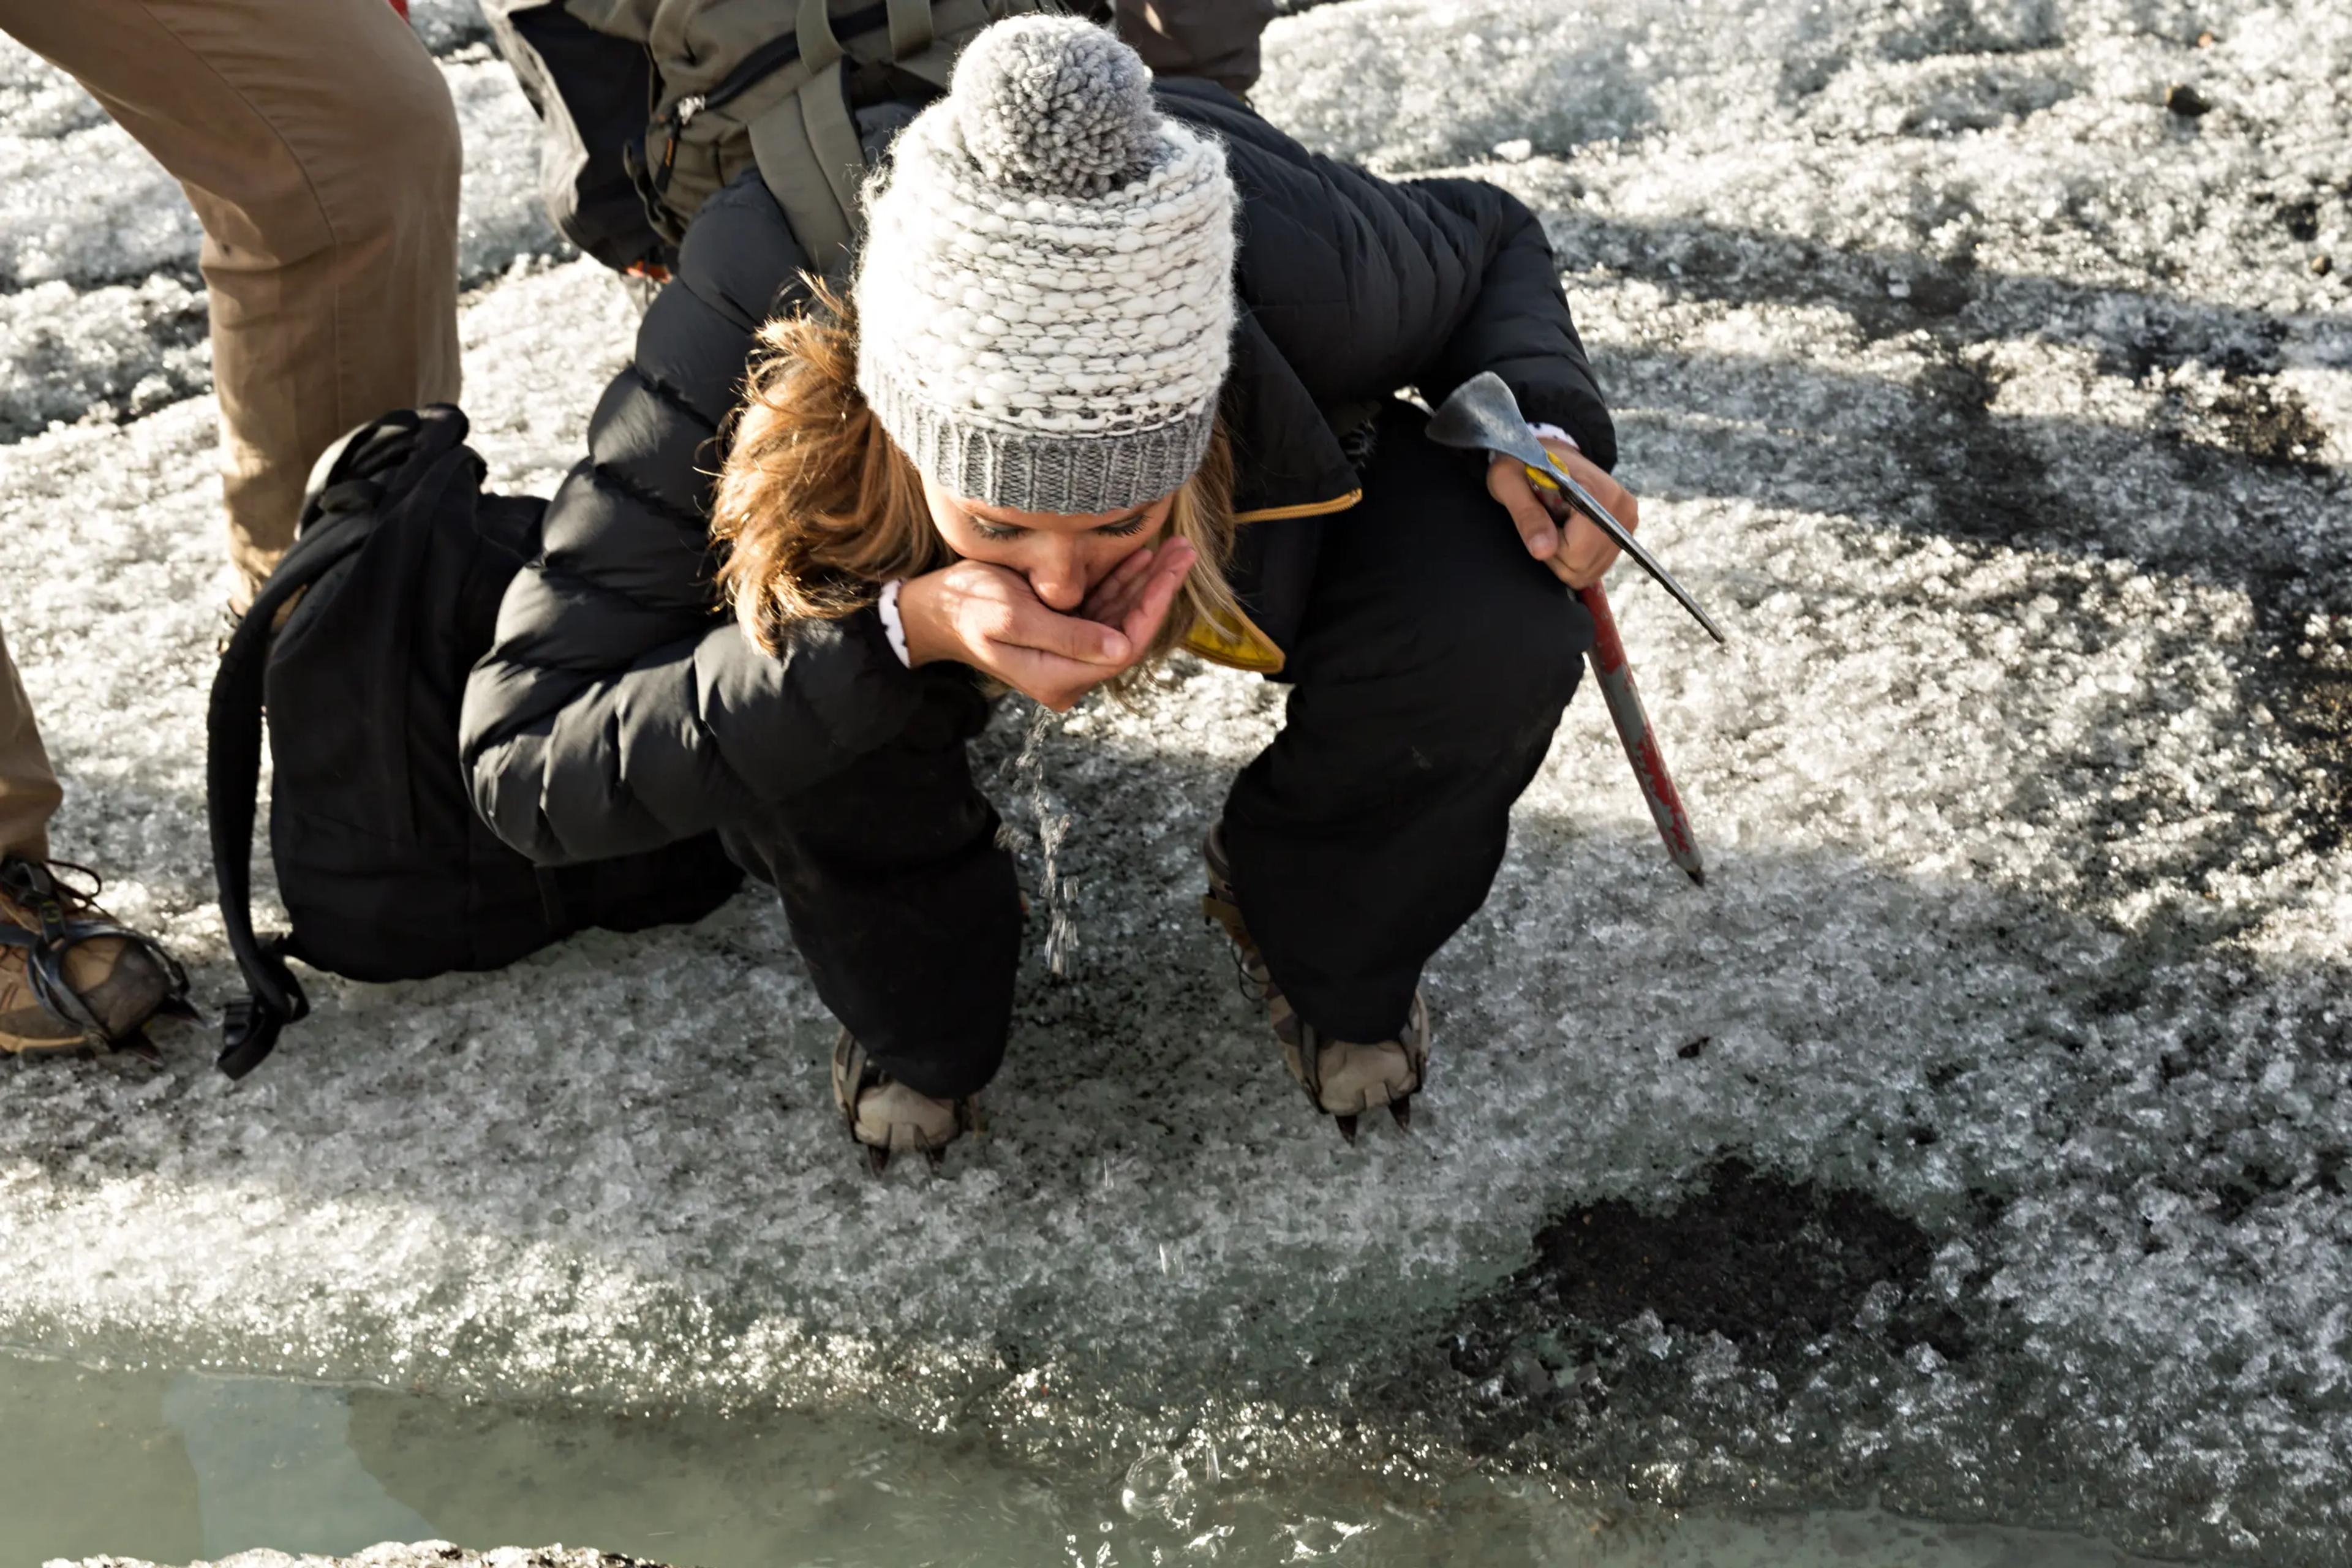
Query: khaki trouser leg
column 319, row 146
column 28, row 789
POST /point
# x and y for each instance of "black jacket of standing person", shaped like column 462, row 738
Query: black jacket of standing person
column 621, row 708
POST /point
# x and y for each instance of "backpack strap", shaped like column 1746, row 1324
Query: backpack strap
column 910, row 27
column 349, row 479
column 232, row 781
column 947, row 25
column 807, row 147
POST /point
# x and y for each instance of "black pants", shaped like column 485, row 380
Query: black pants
column 1430, row 669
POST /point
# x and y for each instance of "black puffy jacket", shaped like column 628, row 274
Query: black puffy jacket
column 620, row 708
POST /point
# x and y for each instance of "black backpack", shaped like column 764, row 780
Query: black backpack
column 358, row 647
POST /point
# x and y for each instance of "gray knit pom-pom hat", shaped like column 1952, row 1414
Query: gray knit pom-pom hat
column 1045, row 299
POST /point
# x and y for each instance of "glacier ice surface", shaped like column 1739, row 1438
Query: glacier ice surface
column 2005, row 416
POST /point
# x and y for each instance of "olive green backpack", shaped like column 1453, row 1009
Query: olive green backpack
column 775, row 83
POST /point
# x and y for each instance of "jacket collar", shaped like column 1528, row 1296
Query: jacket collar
column 1287, row 461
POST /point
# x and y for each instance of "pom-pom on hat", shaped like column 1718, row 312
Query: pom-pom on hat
column 1045, row 300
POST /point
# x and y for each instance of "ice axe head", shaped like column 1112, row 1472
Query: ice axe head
column 1483, row 416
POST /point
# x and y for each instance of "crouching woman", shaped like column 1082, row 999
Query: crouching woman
column 1116, row 373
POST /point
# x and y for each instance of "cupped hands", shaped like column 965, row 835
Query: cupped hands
column 989, row 617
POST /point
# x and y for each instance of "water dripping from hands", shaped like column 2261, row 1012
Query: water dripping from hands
column 1046, row 825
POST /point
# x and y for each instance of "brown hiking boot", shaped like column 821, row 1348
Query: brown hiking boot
column 70, row 978
column 886, row 1116
column 1343, row 1079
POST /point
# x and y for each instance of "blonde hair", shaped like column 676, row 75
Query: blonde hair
column 817, row 507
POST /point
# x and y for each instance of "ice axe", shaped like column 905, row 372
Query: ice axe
column 1483, row 416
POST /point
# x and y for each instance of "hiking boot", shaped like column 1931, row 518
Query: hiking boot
column 1343, row 1079
column 70, row 978
column 885, row 1117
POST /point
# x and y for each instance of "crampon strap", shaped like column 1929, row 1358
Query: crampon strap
column 35, row 889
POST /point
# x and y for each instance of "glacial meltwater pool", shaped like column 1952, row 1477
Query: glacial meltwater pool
column 174, row 1467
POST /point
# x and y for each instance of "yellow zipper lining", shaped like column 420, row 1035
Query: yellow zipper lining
column 1252, row 650
column 1305, row 508
column 1249, row 648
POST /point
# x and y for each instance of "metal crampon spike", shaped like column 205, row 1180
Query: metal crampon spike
column 937, row 1159
column 878, row 1158
column 1347, row 1126
column 1401, row 1108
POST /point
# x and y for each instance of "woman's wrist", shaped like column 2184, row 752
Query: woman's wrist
column 922, row 637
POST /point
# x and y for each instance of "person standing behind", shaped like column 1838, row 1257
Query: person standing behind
column 591, row 75
column 317, row 144
column 70, row 978
column 1216, row 40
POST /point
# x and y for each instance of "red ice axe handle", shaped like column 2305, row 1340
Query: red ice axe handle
column 1616, row 678
column 1634, row 731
